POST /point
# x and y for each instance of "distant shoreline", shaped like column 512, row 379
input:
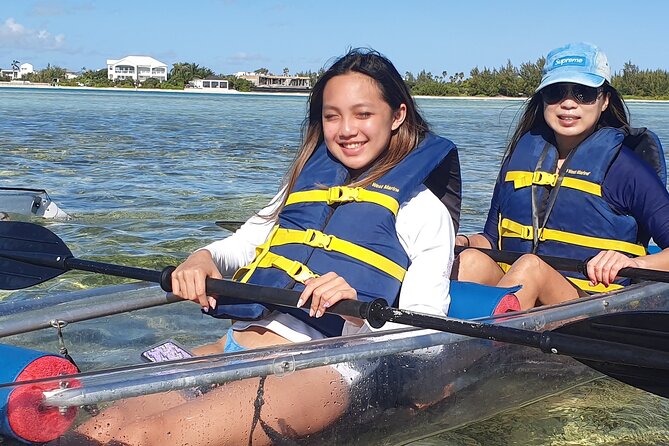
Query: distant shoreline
column 265, row 93
column 158, row 90
column 232, row 92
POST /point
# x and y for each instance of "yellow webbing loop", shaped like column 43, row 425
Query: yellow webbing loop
column 296, row 270
column 513, row 229
column 266, row 259
column 599, row 288
column 582, row 185
column 344, row 194
column 317, row 239
column 523, row 179
column 505, row 267
column 244, row 273
column 510, row 228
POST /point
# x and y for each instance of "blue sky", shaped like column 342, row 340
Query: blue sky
column 234, row 35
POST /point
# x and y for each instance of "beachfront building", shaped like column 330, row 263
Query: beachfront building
column 137, row 68
column 276, row 82
column 212, row 82
column 19, row 72
column 25, row 69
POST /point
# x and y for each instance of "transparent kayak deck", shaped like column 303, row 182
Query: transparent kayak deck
column 405, row 384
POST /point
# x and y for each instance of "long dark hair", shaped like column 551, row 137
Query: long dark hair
column 615, row 115
column 394, row 92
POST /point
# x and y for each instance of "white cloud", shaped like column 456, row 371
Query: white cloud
column 16, row 36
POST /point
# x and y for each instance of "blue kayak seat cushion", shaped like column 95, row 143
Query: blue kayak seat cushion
column 472, row 300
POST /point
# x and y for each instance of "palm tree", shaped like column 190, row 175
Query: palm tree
column 193, row 67
column 15, row 69
column 186, row 71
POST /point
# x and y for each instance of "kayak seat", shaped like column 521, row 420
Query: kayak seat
column 472, row 300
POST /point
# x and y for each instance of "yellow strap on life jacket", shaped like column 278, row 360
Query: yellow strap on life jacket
column 505, row 266
column 499, row 232
column 523, row 179
column 266, row 259
column 300, row 272
column 296, row 270
column 344, row 194
column 599, row 288
column 244, row 273
column 317, row 239
column 581, row 283
column 513, row 229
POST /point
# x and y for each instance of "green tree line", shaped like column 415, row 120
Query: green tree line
column 180, row 75
column 507, row 80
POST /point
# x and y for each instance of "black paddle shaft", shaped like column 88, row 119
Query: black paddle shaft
column 288, row 298
column 214, row 287
column 31, row 254
column 377, row 314
column 563, row 264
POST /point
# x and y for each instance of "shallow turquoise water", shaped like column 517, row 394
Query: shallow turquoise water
column 146, row 174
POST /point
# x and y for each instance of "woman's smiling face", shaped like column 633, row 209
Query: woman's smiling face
column 573, row 121
column 357, row 121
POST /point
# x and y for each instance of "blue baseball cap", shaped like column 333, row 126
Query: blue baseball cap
column 578, row 63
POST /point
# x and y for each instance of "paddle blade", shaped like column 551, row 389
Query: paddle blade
column 23, row 246
column 646, row 329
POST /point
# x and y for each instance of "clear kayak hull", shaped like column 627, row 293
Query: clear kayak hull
column 404, row 384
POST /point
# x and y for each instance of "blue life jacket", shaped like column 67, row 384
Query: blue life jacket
column 326, row 226
column 580, row 222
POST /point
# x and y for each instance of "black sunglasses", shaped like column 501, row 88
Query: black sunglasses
column 582, row 94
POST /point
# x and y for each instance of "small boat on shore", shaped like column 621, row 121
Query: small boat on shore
column 411, row 383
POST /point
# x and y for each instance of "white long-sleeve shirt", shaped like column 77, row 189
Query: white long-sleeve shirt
column 425, row 231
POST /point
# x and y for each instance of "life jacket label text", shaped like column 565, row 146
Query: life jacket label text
column 584, row 173
column 385, row 187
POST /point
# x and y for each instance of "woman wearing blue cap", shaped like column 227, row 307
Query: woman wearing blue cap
column 572, row 184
